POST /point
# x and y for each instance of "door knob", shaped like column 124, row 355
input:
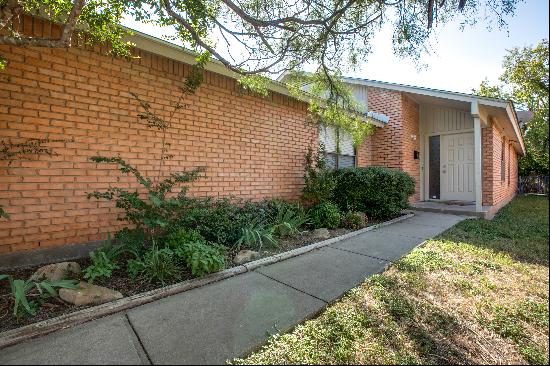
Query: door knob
column 444, row 171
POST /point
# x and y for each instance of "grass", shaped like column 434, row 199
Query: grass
column 478, row 293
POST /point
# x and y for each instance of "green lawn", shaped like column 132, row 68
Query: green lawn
column 478, row 293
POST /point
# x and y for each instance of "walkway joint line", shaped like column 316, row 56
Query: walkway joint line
column 292, row 287
column 364, row 255
column 138, row 338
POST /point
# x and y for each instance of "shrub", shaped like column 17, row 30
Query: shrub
column 325, row 215
column 183, row 236
column 102, row 266
column 289, row 219
column 131, row 240
column 158, row 265
column 216, row 220
column 157, row 211
column 379, row 192
column 319, row 179
column 354, row 220
column 201, row 258
column 254, row 235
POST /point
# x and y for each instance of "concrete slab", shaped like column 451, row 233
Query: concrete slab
column 432, row 219
column 211, row 324
column 104, row 341
column 326, row 273
column 386, row 246
column 412, row 229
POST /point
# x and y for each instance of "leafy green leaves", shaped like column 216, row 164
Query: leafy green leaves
column 201, row 258
column 525, row 81
column 331, row 102
column 255, row 234
column 158, row 210
column 288, row 220
column 28, row 295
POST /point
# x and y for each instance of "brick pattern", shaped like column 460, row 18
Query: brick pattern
column 393, row 145
column 251, row 147
column 495, row 189
column 411, row 142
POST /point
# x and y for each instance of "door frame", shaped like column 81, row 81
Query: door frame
column 426, row 161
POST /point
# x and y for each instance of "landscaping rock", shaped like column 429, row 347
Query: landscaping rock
column 57, row 271
column 245, row 256
column 88, row 294
column 320, row 234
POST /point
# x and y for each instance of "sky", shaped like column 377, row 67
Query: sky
column 460, row 59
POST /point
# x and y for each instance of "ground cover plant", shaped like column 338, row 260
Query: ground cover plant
column 477, row 294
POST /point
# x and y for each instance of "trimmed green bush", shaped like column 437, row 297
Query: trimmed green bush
column 201, row 258
column 353, row 220
column 183, row 236
column 325, row 215
column 378, row 192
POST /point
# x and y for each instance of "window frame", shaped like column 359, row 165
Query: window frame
column 335, row 153
column 503, row 161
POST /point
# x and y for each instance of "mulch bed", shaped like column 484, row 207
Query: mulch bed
column 120, row 281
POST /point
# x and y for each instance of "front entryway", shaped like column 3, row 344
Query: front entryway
column 451, row 167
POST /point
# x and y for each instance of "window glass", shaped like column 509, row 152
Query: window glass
column 338, row 145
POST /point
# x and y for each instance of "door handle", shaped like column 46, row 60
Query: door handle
column 444, row 171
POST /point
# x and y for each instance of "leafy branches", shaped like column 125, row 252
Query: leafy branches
column 99, row 18
column 10, row 150
column 525, row 81
column 157, row 210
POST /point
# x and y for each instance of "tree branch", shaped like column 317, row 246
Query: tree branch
column 68, row 29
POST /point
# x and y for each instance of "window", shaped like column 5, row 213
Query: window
column 509, row 161
column 503, row 161
column 339, row 150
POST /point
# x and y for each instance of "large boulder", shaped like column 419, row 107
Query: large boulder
column 57, row 271
column 320, row 234
column 88, row 294
column 245, row 256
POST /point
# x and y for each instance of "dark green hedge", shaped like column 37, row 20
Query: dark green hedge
column 378, row 192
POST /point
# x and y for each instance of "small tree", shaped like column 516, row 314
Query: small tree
column 525, row 81
column 156, row 210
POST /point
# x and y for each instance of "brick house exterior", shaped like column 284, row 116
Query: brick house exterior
column 252, row 147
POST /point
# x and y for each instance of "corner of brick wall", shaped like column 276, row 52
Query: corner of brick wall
column 496, row 190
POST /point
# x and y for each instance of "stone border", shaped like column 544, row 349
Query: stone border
column 44, row 327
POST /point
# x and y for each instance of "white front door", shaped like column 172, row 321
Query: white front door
column 457, row 167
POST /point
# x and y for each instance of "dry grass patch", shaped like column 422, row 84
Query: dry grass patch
column 476, row 294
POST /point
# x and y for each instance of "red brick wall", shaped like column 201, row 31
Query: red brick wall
column 386, row 142
column 252, row 147
column 392, row 146
column 496, row 190
column 411, row 142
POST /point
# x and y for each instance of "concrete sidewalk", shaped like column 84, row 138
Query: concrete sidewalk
column 226, row 319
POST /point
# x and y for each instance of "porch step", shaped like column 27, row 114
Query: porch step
column 463, row 210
